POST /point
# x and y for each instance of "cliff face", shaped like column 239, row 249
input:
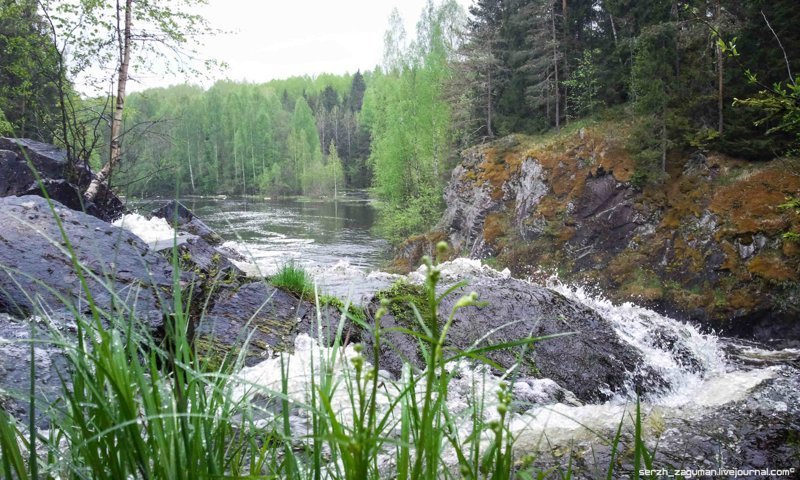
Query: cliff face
column 705, row 246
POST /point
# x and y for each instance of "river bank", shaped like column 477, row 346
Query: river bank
column 99, row 315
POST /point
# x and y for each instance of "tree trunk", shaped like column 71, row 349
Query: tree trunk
column 663, row 142
column 124, row 40
column 566, row 61
column 720, row 75
column 555, row 67
column 489, row 131
column 189, row 161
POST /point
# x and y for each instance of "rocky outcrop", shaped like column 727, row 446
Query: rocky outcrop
column 706, row 245
column 41, row 291
column 586, row 356
column 262, row 318
column 182, row 219
column 64, row 180
column 37, row 273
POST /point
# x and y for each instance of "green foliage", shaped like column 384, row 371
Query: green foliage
column 410, row 123
column 5, row 126
column 29, row 102
column 293, row 279
column 584, row 84
column 792, row 203
column 247, row 139
column 652, row 82
column 781, row 106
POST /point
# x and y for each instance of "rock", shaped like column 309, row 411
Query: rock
column 705, row 245
column 268, row 316
column 181, row 218
column 49, row 160
column 467, row 208
column 593, row 363
column 606, row 216
column 64, row 181
column 528, row 189
column 35, row 269
column 198, row 257
column 15, row 356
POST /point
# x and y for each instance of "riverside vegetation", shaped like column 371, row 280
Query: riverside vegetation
column 179, row 416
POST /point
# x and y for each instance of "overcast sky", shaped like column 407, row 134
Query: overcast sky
column 278, row 39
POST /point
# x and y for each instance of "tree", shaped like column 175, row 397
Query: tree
column 28, row 73
column 482, row 56
column 357, row 89
column 410, row 123
column 122, row 33
column 584, row 84
column 653, row 73
column 544, row 53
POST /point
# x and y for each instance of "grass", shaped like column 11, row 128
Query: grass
column 294, row 279
column 135, row 406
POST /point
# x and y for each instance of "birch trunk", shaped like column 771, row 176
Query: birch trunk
column 124, row 40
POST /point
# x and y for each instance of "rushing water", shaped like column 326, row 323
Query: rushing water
column 331, row 239
column 706, row 374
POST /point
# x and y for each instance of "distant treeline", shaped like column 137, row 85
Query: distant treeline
column 288, row 137
column 686, row 74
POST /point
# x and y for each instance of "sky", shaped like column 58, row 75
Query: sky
column 271, row 39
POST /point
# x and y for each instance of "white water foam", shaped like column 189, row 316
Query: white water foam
column 692, row 363
column 679, row 352
column 156, row 232
column 459, row 269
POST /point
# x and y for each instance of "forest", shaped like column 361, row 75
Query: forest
column 696, row 74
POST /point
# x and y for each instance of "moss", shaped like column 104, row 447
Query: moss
column 751, row 203
column 213, row 352
column 354, row 311
column 401, row 295
column 645, row 286
column 493, row 228
column 772, row 267
column 625, row 266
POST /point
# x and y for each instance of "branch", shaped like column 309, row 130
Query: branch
column 785, row 58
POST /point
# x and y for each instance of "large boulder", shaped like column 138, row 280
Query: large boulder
column 39, row 288
column 183, row 219
column 268, row 318
column 37, row 273
column 50, row 161
column 64, row 180
column 592, row 361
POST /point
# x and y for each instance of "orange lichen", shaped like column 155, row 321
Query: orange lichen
column 770, row 266
column 493, row 228
column 751, row 203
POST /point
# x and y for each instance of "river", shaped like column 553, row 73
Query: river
column 331, row 239
column 730, row 407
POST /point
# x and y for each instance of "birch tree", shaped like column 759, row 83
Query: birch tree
column 120, row 38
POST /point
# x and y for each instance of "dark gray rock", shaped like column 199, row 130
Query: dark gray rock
column 606, row 217
column 181, row 218
column 49, row 160
column 468, row 205
column 15, row 363
column 198, row 257
column 592, row 363
column 64, row 181
column 36, row 273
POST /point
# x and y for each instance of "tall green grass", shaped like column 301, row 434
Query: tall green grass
column 136, row 406
column 294, row 279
